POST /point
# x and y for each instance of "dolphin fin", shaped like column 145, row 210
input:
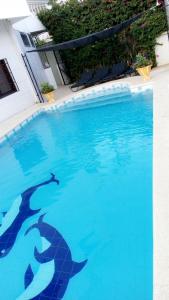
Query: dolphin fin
column 36, row 224
column 40, row 220
column 77, row 267
column 33, row 212
column 30, row 212
column 28, row 278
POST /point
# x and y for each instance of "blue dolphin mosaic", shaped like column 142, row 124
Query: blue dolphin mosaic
column 61, row 267
column 56, row 267
column 15, row 217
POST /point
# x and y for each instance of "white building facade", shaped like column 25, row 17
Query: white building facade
column 44, row 66
column 16, row 89
column 41, row 66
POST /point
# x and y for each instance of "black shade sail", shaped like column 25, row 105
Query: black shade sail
column 91, row 38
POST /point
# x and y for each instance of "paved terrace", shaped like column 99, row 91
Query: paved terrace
column 160, row 83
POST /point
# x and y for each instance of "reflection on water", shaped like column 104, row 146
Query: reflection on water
column 25, row 148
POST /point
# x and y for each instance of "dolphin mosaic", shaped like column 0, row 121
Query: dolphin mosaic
column 56, row 266
column 15, row 217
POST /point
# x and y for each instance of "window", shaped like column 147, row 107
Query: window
column 7, row 81
column 25, row 39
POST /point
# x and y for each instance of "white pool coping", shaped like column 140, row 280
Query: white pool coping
column 160, row 84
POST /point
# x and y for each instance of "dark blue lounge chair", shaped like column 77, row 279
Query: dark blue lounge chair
column 98, row 76
column 116, row 71
column 104, row 74
column 85, row 77
column 129, row 71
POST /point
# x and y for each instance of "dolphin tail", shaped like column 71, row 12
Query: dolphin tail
column 54, row 179
column 26, row 195
column 77, row 267
column 28, row 278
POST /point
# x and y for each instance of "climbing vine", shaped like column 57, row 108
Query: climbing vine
column 73, row 19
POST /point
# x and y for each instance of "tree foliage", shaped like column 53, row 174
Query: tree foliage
column 74, row 19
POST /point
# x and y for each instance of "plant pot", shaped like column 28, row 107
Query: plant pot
column 145, row 72
column 50, row 97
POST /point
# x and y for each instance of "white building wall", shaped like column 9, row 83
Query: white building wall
column 54, row 68
column 27, row 26
column 30, row 25
column 34, row 61
column 50, row 77
column 13, row 9
column 162, row 50
column 25, row 97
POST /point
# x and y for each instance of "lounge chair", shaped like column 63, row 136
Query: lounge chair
column 103, row 74
column 98, row 76
column 106, row 73
column 116, row 71
column 85, row 77
column 129, row 71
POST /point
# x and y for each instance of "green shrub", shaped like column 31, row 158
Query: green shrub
column 141, row 61
column 40, row 43
column 46, row 88
column 73, row 19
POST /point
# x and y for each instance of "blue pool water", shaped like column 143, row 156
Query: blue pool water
column 101, row 211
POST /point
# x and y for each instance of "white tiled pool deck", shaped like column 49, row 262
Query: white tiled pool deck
column 160, row 84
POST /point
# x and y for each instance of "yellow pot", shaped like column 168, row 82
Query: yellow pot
column 50, row 97
column 145, row 72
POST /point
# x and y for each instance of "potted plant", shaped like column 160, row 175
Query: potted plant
column 48, row 91
column 143, row 66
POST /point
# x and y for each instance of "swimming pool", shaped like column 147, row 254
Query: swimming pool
column 93, row 234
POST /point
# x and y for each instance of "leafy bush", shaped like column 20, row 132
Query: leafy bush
column 73, row 19
column 46, row 88
column 141, row 61
column 40, row 43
